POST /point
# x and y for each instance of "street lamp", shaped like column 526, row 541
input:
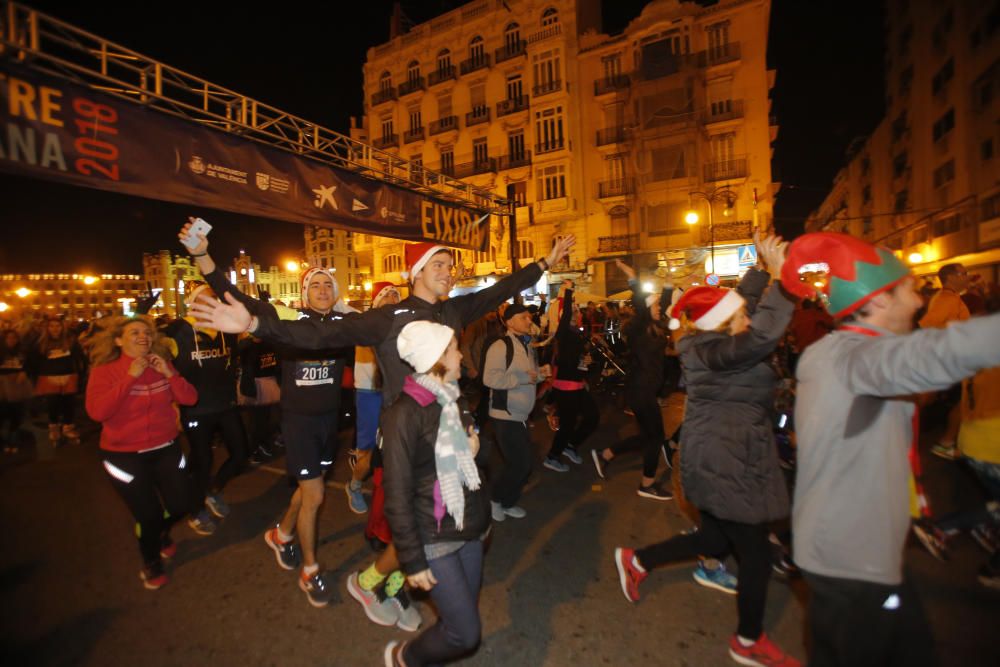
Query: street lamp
column 292, row 266
column 723, row 194
column 23, row 292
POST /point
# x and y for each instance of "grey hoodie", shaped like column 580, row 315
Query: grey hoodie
column 515, row 379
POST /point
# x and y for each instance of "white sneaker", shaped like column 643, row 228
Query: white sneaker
column 514, row 512
column 496, row 509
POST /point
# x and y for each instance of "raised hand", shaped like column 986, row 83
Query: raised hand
column 184, row 234
column 230, row 317
column 138, row 366
column 771, row 249
column 560, row 249
column 626, row 269
column 160, row 365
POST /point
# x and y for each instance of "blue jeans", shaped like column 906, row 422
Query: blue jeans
column 456, row 596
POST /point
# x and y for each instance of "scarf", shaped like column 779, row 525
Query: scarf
column 452, row 457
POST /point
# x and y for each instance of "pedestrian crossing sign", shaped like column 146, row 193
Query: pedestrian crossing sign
column 748, row 255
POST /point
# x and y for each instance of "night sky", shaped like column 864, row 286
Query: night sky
column 308, row 61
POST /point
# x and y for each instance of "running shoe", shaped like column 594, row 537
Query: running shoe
column 555, row 464
column 629, row 576
column 203, row 523
column 785, row 566
column 409, row 618
column 500, row 512
column 496, row 510
column 393, row 650
column 719, row 578
column 315, row 588
column 762, row 653
column 355, row 498
column 665, row 450
column 986, row 537
column 571, row 454
column 655, row 492
column 153, row 577
column 946, row 452
column 168, row 548
column 286, row 553
column 378, row 609
column 217, row 505
column 989, row 577
column 600, row 463
column 931, row 538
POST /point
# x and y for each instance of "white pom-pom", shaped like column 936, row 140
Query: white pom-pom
column 675, row 324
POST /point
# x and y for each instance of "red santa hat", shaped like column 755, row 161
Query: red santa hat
column 706, row 307
column 307, row 278
column 417, row 256
column 380, row 291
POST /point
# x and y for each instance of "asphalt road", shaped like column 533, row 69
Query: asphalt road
column 70, row 594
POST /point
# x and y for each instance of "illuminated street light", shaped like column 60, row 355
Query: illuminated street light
column 3, row 307
column 691, row 218
column 647, row 287
column 368, row 286
column 89, row 280
column 292, row 266
column 23, row 292
column 722, row 194
column 916, row 258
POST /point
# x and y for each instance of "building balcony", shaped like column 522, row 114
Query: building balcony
column 611, row 135
column 725, row 53
column 618, row 187
column 724, row 232
column 474, row 63
column 384, row 95
column 610, row 84
column 411, row 86
column 387, row 141
column 551, row 31
column 415, row 134
column 550, row 145
column 720, row 111
column 512, row 50
column 478, row 115
column 444, row 124
column 485, row 166
column 620, row 243
column 514, row 161
column 512, row 105
column 723, row 170
column 547, row 87
column 441, row 75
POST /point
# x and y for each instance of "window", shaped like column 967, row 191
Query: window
column 392, row 264
column 477, row 49
column 668, row 163
column 944, row 174
column 984, row 95
column 546, row 68
column 944, row 124
column 943, row 76
column 444, row 106
column 387, row 127
column 512, row 37
column 487, row 256
column 448, row 161
column 986, row 150
column 514, row 87
column 549, row 129
column 515, row 146
column 899, row 126
column 551, row 182
column 866, row 165
column 444, row 61
column 614, row 168
column 413, row 72
column 666, row 219
column 723, row 147
column 385, row 82
column 949, row 225
column 525, row 249
column 902, row 197
column 612, row 66
column 867, row 226
column 521, row 194
column 866, row 194
column 899, row 164
column 550, row 17
column 477, row 96
column 718, row 40
column 990, row 208
column 416, row 123
column 480, row 151
column 416, row 174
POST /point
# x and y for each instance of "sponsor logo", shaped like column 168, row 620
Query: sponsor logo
column 263, row 181
column 273, row 183
column 358, row 206
column 226, row 174
column 324, row 195
column 196, row 165
column 385, row 211
column 207, row 354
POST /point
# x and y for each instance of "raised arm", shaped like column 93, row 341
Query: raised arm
column 926, row 360
column 756, row 343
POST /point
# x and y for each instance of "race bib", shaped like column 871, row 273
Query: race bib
column 309, row 373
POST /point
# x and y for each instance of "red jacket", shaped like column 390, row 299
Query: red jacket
column 136, row 413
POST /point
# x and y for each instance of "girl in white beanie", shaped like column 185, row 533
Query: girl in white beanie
column 433, row 497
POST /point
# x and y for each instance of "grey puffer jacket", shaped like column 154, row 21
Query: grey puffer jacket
column 730, row 463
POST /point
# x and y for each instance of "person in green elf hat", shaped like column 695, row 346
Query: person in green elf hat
column 852, row 510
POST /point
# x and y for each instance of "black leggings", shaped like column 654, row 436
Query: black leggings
column 578, row 419
column 11, row 414
column 60, row 408
column 717, row 536
column 200, row 430
column 152, row 484
column 650, row 436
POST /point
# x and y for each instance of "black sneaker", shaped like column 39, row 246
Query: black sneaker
column 600, row 463
column 654, row 492
column 315, row 588
column 286, row 553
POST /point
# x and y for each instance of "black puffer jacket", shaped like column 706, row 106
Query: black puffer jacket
column 647, row 343
column 730, row 462
column 409, row 431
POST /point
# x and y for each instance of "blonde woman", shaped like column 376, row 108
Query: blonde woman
column 134, row 392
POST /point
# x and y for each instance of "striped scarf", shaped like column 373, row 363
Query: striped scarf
column 452, row 456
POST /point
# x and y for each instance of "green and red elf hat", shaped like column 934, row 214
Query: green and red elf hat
column 845, row 272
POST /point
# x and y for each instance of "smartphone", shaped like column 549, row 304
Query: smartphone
column 199, row 226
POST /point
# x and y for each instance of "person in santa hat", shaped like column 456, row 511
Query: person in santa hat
column 730, row 468
column 853, row 504
column 310, row 413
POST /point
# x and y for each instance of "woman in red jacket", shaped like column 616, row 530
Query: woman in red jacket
column 132, row 391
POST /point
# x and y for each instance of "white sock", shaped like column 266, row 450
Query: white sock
column 311, row 569
column 284, row 538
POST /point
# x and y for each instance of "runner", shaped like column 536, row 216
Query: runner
column 310, row 409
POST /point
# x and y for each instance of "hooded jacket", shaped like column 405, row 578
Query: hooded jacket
column 210, row 362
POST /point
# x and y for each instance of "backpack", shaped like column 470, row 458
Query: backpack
column 498, row 397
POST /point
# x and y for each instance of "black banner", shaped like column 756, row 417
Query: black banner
column 56, row 130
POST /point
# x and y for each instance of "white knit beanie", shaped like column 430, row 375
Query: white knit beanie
column 421, row 344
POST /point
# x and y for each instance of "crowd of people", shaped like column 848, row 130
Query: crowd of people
column 821, row 333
